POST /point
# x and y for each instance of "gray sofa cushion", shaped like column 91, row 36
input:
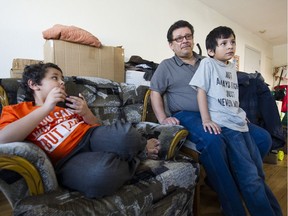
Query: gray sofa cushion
column 15, row 188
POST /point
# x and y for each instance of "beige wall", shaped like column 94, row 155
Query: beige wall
column 139, row 26
column 280, row 55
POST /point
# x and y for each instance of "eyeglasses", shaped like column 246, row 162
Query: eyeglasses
column 181, row 38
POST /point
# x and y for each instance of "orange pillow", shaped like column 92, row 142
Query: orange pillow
column 71, row 34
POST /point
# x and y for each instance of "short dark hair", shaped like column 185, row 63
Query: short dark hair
column 177, row 25
column 35, row 72
column 218, row 33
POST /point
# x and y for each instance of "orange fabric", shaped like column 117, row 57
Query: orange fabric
column 71, row 34
column 57, row 134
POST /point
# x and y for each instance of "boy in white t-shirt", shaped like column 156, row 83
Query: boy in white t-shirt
column 218, row 99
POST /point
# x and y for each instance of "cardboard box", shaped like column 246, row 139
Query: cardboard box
column 82, row 60
column 136, row 78
column 16, row 73
column 18, row 66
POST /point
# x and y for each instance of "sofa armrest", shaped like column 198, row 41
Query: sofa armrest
column 171, row 137
column 26, row 170
column 31, row 163
column 34, row 156
column 189, row 149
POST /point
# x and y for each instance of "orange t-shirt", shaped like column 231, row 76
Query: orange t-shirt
column 57, row 134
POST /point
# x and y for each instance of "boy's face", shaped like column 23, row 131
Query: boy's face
column 53, row 78
column 225, row 50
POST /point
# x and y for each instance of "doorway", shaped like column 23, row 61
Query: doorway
column 252, row 60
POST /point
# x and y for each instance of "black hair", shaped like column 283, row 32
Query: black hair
column 35, row 73
column 177, row 25
column 218, row 33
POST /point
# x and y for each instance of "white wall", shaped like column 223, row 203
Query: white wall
column 280, row 55
column 139, row 26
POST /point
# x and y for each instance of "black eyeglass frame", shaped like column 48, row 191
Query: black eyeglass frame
column 181, row 38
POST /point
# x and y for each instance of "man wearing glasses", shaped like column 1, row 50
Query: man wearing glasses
column 172, row 78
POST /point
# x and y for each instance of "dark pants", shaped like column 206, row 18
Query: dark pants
column 104, row 161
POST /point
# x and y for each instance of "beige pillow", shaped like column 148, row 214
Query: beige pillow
column 71, row 34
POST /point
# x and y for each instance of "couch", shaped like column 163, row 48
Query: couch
column 159, row 187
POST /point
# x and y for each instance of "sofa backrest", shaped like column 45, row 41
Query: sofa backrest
column 108, row 100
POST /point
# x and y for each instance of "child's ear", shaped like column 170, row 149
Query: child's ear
column 210, row 52
column 33, row 85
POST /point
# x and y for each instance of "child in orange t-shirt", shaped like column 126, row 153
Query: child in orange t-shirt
column 84, row 155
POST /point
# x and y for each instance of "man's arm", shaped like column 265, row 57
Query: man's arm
column 158, row 108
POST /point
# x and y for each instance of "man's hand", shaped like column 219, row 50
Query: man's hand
column 170, row 121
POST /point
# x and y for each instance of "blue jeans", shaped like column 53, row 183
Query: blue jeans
column 219, row 159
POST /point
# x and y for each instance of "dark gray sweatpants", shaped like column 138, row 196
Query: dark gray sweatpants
column 103, row 161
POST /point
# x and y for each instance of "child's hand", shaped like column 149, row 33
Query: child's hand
column 77, row 105
column 212, row 127
column 54, row 96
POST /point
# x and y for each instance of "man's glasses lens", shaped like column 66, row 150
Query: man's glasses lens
column 181, row 38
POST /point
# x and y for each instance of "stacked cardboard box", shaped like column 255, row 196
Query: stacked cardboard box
column 82, row 60
column 18, row 66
